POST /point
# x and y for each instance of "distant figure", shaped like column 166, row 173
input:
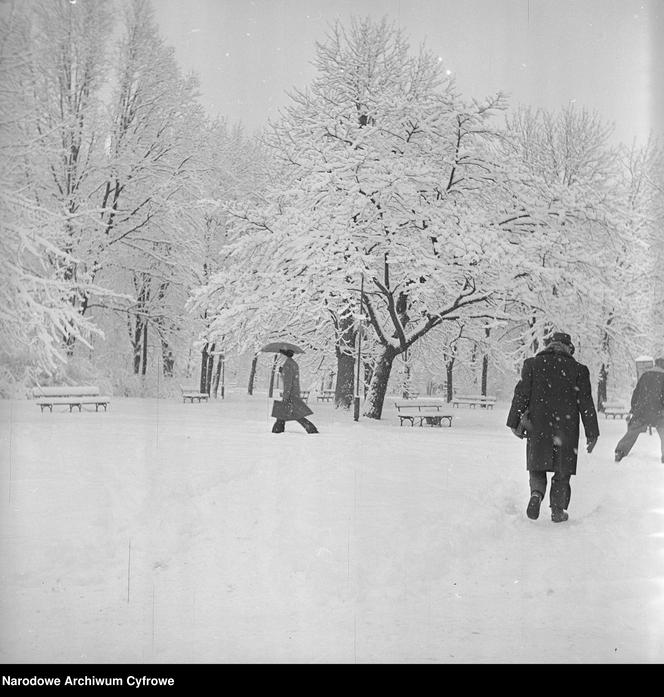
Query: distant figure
column 647, row 409
column 553, row 391
column 293, row 407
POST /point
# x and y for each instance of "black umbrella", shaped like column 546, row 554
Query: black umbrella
column 277, row 346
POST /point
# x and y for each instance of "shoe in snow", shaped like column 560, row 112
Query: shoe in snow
column 558, row 515
column 619, row 455
column 533, row 509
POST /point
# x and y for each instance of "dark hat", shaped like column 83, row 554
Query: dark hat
column 561, row 338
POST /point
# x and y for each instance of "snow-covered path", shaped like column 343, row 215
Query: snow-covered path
column 163, row 532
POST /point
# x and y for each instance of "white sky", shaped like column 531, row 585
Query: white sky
column 601, row 53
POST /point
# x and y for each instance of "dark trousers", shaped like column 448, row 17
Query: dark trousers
column 561, row 491
column 634, row 429
column 280, row 425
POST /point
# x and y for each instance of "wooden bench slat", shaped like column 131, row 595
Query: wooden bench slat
column 424, row 410
column 614, row 409
column 474, row 400
column 191, row 393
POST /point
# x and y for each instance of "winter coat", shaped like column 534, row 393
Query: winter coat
column 554, row 390
column 648, row 398
column 293, row 402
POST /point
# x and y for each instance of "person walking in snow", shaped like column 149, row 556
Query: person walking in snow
column 554, row 390
column 293, row 407
column 647, row 409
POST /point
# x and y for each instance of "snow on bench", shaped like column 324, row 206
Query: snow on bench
column 325, row 396
column 614, row 409
column 426, row 410
column 473, row 400
column 69, row 395
column 191, row 393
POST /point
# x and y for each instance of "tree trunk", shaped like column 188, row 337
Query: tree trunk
column 272, row 373
column 217, row 378
column 379, row 381
column 136, row 344
column 343, row 389
column 204, row 366
column 343, row 392
column 485, row 365
column 485, row 373
column 602, row 385
column 145, row 348
column 167, row 359
column 209, row 371
column 603, row 380
column 368, row 377
column 449, row 368
column 406, row 392
column 252, row 374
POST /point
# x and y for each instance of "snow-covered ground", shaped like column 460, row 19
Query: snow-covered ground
column 161, row 532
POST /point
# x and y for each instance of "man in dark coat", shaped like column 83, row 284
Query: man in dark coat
column 647, row 409
column 293, row 407
column 553, row 392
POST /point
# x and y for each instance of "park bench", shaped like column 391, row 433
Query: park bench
column 304, row 394
column 191, row 393
column 426, row 410
column 325, row 396
column 69, row 395
column 474, row 400
column 614, row 409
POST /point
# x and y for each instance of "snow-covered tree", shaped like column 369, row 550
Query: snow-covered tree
column 577, row 260
column 383, row 177
column 147, row 225
column 39, row 290
column 113, row 135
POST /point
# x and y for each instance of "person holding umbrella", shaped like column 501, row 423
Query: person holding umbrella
column 291, row 407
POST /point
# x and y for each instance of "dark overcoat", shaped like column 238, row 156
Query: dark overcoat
column 296, row 407
column 555, row 391
column 648, row 398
